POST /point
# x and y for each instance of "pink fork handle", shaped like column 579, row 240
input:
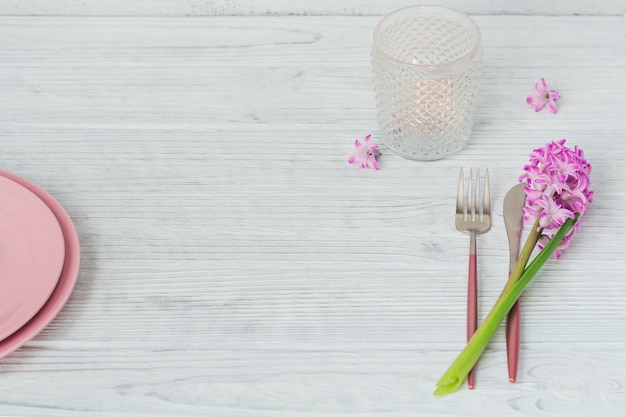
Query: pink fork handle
column 472, row 308
column 513, row 340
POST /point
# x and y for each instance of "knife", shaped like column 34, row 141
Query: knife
column 513, row 205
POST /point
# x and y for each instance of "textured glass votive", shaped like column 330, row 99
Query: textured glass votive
column 426, row 63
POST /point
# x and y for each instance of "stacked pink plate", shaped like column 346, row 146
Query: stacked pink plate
column 39, row 260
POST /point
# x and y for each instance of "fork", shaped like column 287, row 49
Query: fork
column 474, row 218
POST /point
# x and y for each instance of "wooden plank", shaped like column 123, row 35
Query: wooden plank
column 182, row 8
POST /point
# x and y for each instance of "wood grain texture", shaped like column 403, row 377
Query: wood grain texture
column 298, row 7
column 234, row 264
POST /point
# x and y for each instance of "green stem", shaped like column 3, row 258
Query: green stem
column 458, row 371
column 522, row 260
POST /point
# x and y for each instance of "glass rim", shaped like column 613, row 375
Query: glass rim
column 462, row 14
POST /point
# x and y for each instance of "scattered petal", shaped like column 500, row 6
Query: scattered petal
column 365, row 154
column 543, row 97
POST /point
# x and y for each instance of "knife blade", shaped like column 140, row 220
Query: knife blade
column 513, row 205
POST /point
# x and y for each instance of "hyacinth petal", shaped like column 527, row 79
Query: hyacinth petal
column 540, row 90
column 552, row 106
column 534, row 99
column 540, row 104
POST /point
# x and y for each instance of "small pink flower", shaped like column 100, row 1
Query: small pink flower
column 543, row 96
column 553, row 215
column 365, row 154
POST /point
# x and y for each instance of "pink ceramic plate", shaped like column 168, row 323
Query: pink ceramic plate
column 66, row 279
column 32, row 251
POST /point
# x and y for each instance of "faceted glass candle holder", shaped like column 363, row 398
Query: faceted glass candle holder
column 426, row 63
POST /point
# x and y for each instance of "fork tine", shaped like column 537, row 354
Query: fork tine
column 486, row 199
column 475, row 205
column 460, row 207
column 470, row 204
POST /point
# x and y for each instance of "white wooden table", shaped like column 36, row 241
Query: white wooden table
column 234, row 264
